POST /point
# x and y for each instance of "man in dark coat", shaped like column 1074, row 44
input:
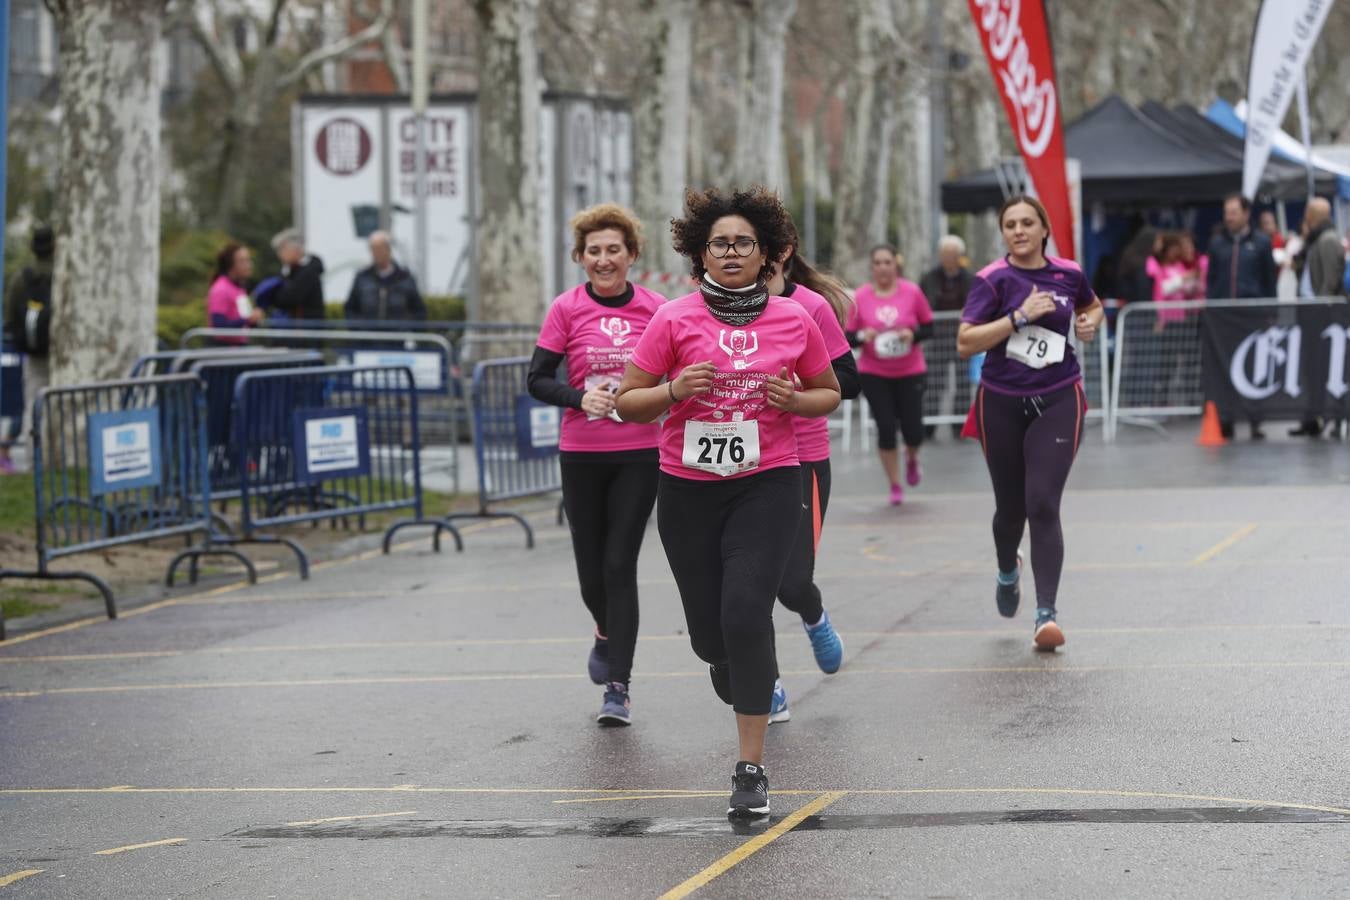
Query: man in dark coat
column 300, row 295
column 384, row 290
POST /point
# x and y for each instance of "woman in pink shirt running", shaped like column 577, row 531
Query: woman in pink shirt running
column 730, row 496
column 828, row 303
column 889, row 320
column 608, row 465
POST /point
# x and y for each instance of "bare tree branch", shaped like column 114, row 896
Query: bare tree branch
column 372, row 32
column 394, row 59
column 202, row 18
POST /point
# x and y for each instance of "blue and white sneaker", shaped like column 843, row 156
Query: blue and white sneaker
column 617, row 708
column 597, row 666
column 1008, row 593
column 1048, row 635
column 778, row 708
column 826, row 644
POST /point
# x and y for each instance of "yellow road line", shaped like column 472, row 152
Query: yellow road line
column 6, row 880
column 1047, row 668
column 164, row 843
column 750, row 847
column 410, row 812
column 1221, row 546
column 230, row 588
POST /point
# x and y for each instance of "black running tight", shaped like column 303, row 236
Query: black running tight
column 608, row 504
column 1029, row 445
column 798, row 592
column 728, row 543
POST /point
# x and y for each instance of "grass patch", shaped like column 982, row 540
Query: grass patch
column 15, row 606
column 16, row 504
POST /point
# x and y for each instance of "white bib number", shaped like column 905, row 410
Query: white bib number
column 890, row 345
column 594, row 381
column 1036, row 347
column 722, row 448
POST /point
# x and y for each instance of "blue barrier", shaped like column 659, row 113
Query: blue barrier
column 515, row 440
column 170, row 362
column 219, row 374
column 327, row 442
column 431, row 356
column 117, row 463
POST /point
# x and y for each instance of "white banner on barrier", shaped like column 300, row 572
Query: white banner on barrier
column 1286, row 31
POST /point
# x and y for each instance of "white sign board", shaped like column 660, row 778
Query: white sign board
column 331, row 444
column 426, row 366
column 128, row 454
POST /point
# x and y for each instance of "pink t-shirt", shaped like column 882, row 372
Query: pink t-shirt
column 228, row 306
column 598, row 341
column 813, row 435
column 731, row 426
column 904, row 307
column 1176, row 281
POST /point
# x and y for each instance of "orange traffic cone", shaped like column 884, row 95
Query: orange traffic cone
column 1211, row 433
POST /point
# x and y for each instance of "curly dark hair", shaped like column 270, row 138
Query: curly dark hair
column 757, row 205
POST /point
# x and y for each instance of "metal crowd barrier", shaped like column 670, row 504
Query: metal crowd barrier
column 327, row 442
column 949, row 389
column 432, row 358
column 515, row 440
column 219, row 374
column 169, row 362
column 1157, row 368
column 116, row 463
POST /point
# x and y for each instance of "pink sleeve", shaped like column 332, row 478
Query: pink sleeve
column 815, row 358
column 654, row 353
column 553, row 334
column 922, row 310
column 836, row 345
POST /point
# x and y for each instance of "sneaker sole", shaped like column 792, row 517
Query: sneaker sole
column 607, row 719
column 784, row 716
column 747, row 812
column 1048, row 637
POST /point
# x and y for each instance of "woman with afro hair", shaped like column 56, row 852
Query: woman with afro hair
column 738, row 366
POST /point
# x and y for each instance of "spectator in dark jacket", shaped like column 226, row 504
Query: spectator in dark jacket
column 1241, row 263
column 1321, row 273
column 28, row 315
column 946, row 286
column 384, row 290
column 301, row 293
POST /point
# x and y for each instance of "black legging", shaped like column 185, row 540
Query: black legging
column 892, row 399
column 1029, row 445
column 728, row 543
column 798, row 591
column 608, row 504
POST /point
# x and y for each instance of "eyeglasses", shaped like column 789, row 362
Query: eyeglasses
column 743, row 247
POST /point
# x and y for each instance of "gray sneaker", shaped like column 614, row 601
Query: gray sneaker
column 749, row 792
column 617, row 708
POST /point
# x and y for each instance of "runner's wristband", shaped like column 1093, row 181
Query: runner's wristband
column 670, row 389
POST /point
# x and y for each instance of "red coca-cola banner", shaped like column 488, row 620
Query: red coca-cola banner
column 1016, row 42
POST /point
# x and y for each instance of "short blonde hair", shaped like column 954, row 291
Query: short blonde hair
column 600, row 217
column 954, row 242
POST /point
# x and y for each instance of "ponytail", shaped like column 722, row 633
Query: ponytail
column 799, row 271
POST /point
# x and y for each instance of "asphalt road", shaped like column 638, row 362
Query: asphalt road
column 422, row 725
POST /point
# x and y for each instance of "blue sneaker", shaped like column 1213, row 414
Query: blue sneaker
column 1008, row 594
column 1048, row 635
column 617, row 708
column 826, row 644
column 778, row 708
column 598, row 664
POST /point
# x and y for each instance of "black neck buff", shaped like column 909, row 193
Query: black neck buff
column 734, row 306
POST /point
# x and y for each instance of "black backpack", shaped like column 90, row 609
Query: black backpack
column 35, row 295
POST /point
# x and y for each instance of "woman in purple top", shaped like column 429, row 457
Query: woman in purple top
column 1030, row 405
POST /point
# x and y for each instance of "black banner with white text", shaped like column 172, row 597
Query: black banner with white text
column 1277, row 361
